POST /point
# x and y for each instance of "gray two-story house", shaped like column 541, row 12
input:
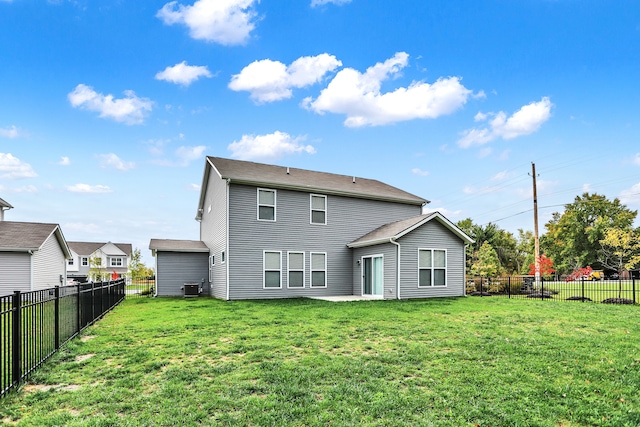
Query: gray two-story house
column 277, row 232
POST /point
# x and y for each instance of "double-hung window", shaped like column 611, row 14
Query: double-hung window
column 432, row 267
column 115, row 262
column 266, row 204
column 318, row 209
column 272, row 269
column 318, row 270
column 295, row 265
column 84, row 261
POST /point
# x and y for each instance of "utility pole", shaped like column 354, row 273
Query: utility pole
column 535, row 223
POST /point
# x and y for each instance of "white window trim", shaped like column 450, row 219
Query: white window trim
column 71, row 261
column 264, row 270
column 84, row 261
column 311, row 269
column 311, row 196
column 361, row 261
column 112, row 259
column 275, row 204
column 304, row 275
column 433, row 268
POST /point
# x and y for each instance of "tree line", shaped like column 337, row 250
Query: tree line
column 593, row 231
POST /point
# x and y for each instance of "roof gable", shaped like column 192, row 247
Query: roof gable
column 89, row 248
column 396, row 230
column 259, row 174
column 29, row 236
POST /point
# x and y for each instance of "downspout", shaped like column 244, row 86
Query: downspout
column 393, row 241
column 30, row 270
column 227, row 261
column 464, row 268
column 155, row 291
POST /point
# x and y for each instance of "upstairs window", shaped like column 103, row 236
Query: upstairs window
column 432, row 266
column 266, row 205
column 318, row 209
column 70, row 261
column 115, row 262
column 84, row 261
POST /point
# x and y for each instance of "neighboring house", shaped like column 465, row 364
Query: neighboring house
column 98, row 260
column 33, row 256
column 277, row 232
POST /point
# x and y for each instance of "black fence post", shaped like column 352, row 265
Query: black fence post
column 56, row 318
column 582, row 286
column 78, row 309
column 542, row 287
column 16, row 338
column 509, row 286
column 93, row 298
column 481, row 286
column 633, row 287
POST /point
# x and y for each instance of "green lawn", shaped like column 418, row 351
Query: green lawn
column 448, row 362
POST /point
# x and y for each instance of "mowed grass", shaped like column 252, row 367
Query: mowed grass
column 440, row 362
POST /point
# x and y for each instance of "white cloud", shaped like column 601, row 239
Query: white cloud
column 64, row 161
column 270, row 146
column 470, row 189
column 130, row 109
column 500, row 176
column 22, row 189
column 315, row 3
column 525, row 121
column 113, row 161
column 189, row 154
column 631, row 196
column 193, row 187
column 10, row 132
column 183, row 74
column 636, row 159
column 86, row 188
column 269, row 81
column 420, row 172
column 227, row 22
column 358, row 96
column 13, row 168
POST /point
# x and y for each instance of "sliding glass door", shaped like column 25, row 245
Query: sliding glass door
column 372, row 275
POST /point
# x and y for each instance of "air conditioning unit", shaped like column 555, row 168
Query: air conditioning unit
column 191, row 289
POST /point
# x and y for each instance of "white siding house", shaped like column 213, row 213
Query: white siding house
column 33, row 256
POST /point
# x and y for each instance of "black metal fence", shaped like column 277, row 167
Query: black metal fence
column 141, row 287
column 619, row 291
column 33, row 325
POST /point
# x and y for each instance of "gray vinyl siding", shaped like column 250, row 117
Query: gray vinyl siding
column 49, row 264
column 431, row 235
column 15, row 272
column 213, row 232
column 177, row 268
column 388, row 251
column 347, row 219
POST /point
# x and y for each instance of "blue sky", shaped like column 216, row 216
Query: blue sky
column 108, row 107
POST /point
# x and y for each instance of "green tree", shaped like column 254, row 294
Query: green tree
column 620, row 249
column 573, row 237
column 96, row 271
column 525, row 248
column 487, row 263
column 137, row 269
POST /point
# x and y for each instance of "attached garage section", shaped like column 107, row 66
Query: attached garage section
column 179, row 262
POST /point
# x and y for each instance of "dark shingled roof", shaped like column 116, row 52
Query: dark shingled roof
column 177, row 245
column 395, row 230
column 28, row 236
column 243, row 172
column 87, row 248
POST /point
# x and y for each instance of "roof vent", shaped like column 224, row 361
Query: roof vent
column 287, row 170
column 354, row 179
